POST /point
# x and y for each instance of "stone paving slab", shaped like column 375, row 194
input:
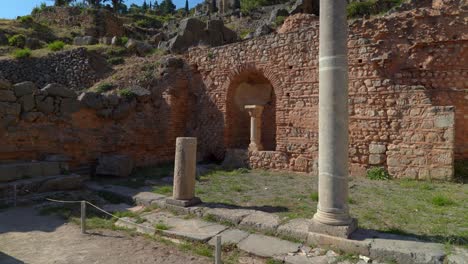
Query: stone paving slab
column 147, row 198
column 458, row 256
column 265, row 246
column 296, row 228
column 233, row 216
column 230, row 236
column 192, row 229
column 407, row 251
column 261, row 221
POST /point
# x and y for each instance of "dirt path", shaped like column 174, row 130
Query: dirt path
column 26, row 237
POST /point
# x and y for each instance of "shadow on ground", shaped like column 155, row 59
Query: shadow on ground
column 26, row 219
column 6, row 259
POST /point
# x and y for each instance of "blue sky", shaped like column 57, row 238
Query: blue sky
column 12, row 9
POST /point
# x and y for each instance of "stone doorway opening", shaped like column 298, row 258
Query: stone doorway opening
column 250, row 95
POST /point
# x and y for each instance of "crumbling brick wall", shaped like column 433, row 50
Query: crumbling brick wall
column 407, row 81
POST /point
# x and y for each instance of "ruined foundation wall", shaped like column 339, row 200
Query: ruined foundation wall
column 408, row 93
column 83, row 128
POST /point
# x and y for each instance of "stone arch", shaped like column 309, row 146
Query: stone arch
column 246, row 85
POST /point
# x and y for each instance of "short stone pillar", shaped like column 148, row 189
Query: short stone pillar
column 185, row 166
column 255, row 112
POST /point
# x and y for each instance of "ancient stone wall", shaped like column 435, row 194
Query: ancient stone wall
column 76, row 69
column 88, row 22
column 408, row 93
column 35, row 123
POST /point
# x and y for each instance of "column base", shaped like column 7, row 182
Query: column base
column 333, row 230
column 183, row 203
column 255, row 147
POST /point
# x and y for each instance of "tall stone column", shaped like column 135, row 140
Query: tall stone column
column 185, row 166
column 332, row 215
column 255, row 112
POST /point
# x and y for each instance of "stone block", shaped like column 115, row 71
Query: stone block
column 27, row 102
column 7, row 96
column 261, row 221
column 233, row 216
column 377, row 148
column 376, row 159
column 115, row 165
column 91, row 100
column 69, row 105
column 183, row 203
column 403, row 251
column 444, row 121
column 296, row 228
column 46, row 105
column 265, row 246
column 55, row 89
column 24, row 88
column 5, row 84
column 343, row 231
column 230, row 236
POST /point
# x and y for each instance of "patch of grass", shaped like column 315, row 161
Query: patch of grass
column 56, row 45
column 164, row 190
column 116, row 52
column 116, row 60
column 22, row 53
column 127, row 93
column 123, row 40
column 244, row 33
column 347, row 258
column 442, row 200
column 273, row 261
column 279, row 20
column 314, row 196
column 104, row 87
column 378, row 173
column 210, row 218
column 203, row 250
column 18, row 40
column 162, row 226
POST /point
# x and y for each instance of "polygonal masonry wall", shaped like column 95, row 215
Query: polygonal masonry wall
column 407, row 93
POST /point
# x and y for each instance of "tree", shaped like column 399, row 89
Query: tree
column 187, row 10
column 214, row 8
column 155, row 5
column 167, row 7
column 144, row 6
column 62, row 2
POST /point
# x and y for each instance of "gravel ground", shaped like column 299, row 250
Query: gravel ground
column 26, row 237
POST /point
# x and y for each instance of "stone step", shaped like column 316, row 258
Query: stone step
column 27, row 170
column 42, row 184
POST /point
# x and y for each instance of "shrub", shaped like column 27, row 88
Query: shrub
column 18, row 40
column 104, row 87
column 440, row 200
column 25, row 19
column 22, row 53
column 244, row 33
column 279, row 20
column 149, row 22
column 378, row 173
column 127, row 93
column 115, row 60
column 116, row 52
column 39, row 9
column 123, row 40
column 359, row 9
column 56, row 45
